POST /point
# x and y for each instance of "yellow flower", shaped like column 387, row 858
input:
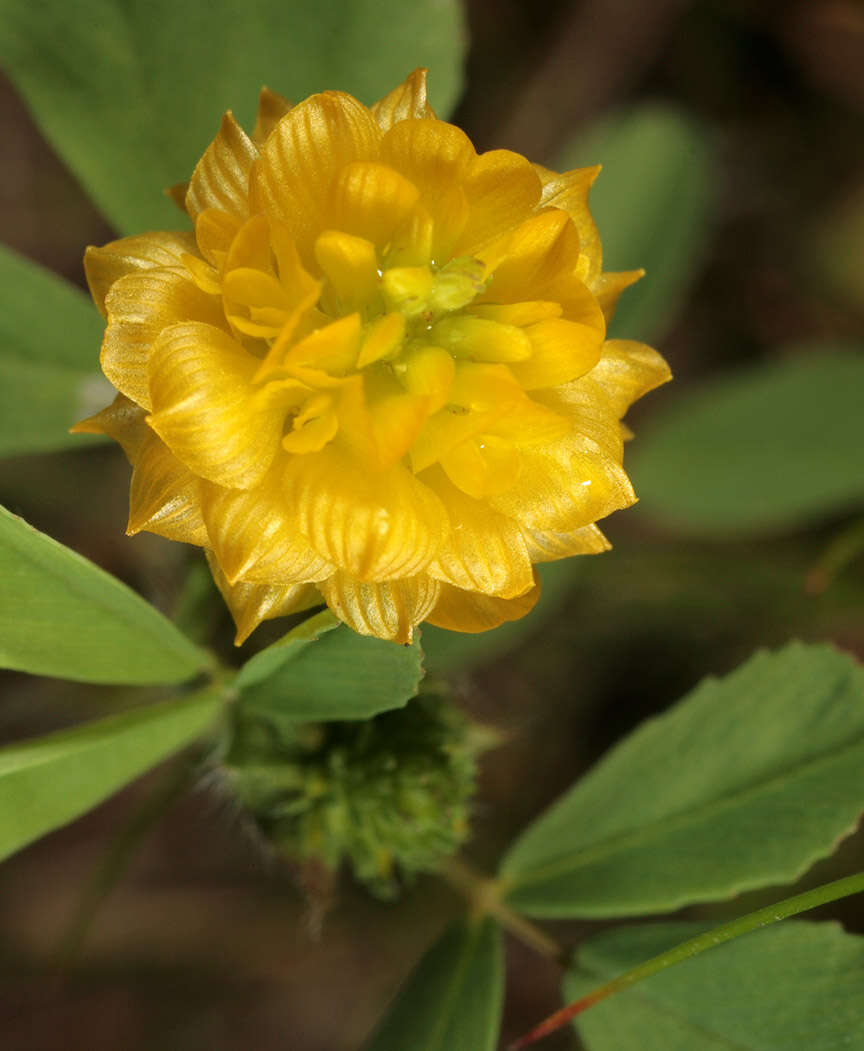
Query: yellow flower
column 376, row 374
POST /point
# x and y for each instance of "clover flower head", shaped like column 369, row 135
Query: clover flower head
column 376, row 375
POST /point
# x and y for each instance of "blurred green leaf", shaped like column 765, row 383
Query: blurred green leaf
column 745, row 783
column 793, row 987
column 268, row 661
column 452, row 1001
column 49, row 354
column 61, row 615
column 445, row 652
column 130, row 92
column 337, row 675
column 48, row 781
column 652, row 204
column 769, row 447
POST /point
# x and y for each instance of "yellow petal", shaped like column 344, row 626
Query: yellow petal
column 526, row 260
column 221, row 177
column 373, row 525
column 139, row 307
column 350, row 264
column 479, row 339
column 164, row 496
column 205, row 409
column 521, row 314
column 255, row 538
column 271, row 108
column 562, row 489
column 388, row 609
column 483, row 466
column 215, row 232
column 306, row 150
column 561, row 351
column 544, row 545
column 250, row 246
column 627, row 370
column 371, row 200
column 483, row 551
column 382, row 339
column 405, row 102
column 501, row 188
column 250, row 604
column 458, row 610
column 314, row 427
column 428, row 371
column 332, row 348
column 205, row 276
column 411, row 244
column 608, row 287
column 122, row 420
column 396, row 420
column 432, row 154
column 569, row 192
column 479, row 396
column 103, row 266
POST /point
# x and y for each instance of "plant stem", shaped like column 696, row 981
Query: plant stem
column 810, row 899
column 483, row 893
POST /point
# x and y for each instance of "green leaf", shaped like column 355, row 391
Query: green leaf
column 130, row 92
column 61, row 615
column 770, row 447
column 745, row 783
column 446, row 652
column 336, row 674
column 49, row 350
column 48, row 781
column 652, row 204
column 452, row 1001
column 268, row 661
column 793, row 987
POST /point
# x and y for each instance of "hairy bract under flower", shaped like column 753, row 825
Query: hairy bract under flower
column 376, row 375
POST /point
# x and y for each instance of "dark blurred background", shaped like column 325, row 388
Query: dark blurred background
column 205, row 943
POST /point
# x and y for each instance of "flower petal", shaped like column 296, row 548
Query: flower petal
column 308, row 147
column 250, row 604
column 458, row 610
column 404, row 103
column 139, row 307
column 627, row 370
column 608, row 287
column 432, row 154
column 371, row 200
column 103, row 266
column 544, row 545
column 567, row 486
column 501, row 188
column 525, row 261
column 388, row 609
column 164, row 497
column 221, row 177
column 122, row 420
column 562, row 350
column 205, row 409
column 483, row 551
column 272, row 107
column 569, row 192
column 375, row 525
column 254, row 535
